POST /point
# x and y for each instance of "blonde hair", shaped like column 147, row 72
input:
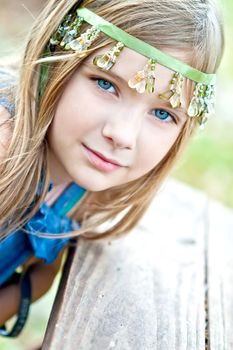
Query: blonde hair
column 193, row 26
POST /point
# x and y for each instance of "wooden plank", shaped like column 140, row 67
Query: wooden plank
column 220, row 277
column 143, row 291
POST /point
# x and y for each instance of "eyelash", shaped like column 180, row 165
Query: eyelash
column 173, row 119
column 96, row 79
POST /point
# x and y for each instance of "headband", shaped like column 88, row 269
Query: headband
column 68, row 36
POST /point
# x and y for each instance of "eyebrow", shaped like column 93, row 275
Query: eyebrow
column 164, row 103
column 113, row 75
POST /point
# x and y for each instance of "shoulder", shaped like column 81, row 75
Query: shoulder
column 8, row 83
column 5, row 130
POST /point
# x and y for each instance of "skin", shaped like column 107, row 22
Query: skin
column 112, row 119
column 41, row 276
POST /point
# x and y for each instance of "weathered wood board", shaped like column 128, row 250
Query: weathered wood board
column 220, row 277
column 146, row 290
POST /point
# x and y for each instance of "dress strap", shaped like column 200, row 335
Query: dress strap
column 52, row 195
column 68, row 199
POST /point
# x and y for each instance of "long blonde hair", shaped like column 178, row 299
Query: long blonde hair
column 193, row 26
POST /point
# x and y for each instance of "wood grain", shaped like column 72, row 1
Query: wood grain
column 220, row 277
column 144, row 291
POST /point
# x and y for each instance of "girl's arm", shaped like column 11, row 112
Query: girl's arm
column 41, row 275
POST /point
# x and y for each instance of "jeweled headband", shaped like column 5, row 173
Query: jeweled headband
column 68, row 36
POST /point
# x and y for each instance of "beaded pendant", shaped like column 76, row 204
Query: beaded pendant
column 173, row 95
column 107, row 60
column 144, row 80
column 67, row 31
column 202, row 103
column 85, row 40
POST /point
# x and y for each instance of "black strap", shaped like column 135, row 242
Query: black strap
column 25, row 301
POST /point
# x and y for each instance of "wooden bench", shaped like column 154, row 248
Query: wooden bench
column 167, row 285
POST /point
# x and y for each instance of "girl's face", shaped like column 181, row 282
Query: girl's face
column 104, row 133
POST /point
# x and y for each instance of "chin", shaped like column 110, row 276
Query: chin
column 90, row 185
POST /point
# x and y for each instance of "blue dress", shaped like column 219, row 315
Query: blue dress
column 21, row 244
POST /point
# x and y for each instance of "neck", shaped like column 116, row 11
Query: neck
column 58, row 175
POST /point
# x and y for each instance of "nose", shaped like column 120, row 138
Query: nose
column 122, row 129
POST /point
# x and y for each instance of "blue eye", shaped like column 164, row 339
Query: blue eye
column 163, row 115
column 105, row 85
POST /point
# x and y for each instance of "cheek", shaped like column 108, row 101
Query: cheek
column 78, row 110
column 152, row 149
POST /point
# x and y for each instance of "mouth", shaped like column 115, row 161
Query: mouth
column 100, row 161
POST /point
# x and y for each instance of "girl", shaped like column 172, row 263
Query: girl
column 108, row 94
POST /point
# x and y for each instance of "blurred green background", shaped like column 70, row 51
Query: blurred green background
column 207, row 163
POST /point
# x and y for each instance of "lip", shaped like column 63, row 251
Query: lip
column 100, row 161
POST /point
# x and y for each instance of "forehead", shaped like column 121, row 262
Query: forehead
column 129, row 63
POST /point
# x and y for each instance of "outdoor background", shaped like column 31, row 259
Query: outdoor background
column 207, row 163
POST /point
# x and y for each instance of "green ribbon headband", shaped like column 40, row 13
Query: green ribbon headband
column 145, row 49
